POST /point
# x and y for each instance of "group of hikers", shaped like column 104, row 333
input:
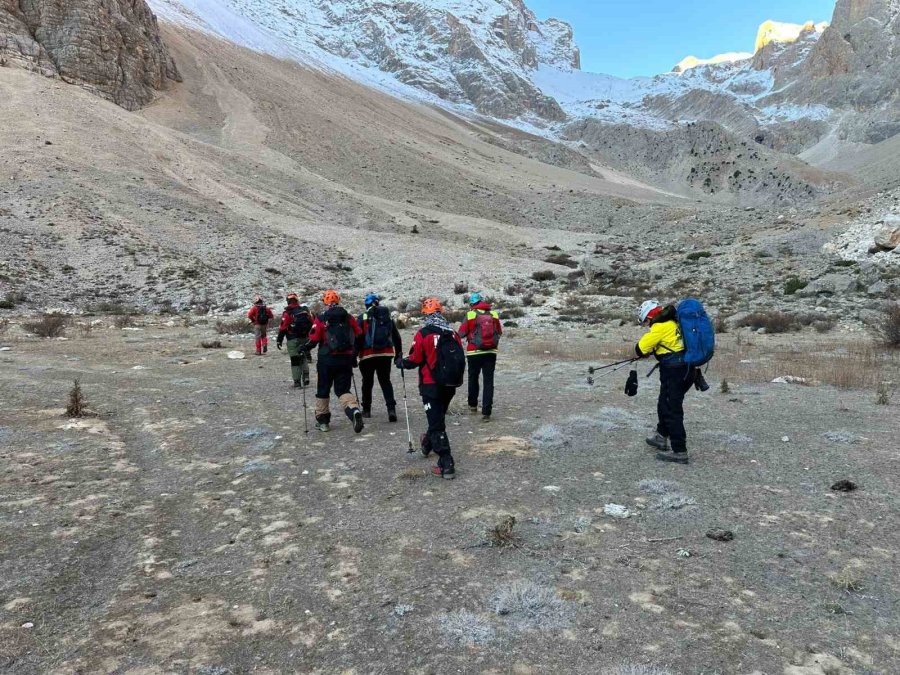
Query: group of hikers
column 680, row 338
column 372, row 343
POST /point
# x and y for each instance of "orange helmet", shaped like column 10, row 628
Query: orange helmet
column 331, row 298
column 431, row 306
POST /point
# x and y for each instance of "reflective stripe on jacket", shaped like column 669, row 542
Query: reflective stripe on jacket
column 467, row 329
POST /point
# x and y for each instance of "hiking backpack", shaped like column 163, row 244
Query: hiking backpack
column 262, row 315
column 450, row 369
column 697, row 332
column 380, row 333
column 339, row 336
column 301, row 323
column 485, row 332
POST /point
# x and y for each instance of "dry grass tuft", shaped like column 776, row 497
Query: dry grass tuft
column 849, row 579
column 211, row 344
column 123, row 321
column 501, row 535
column 48, row 326
column 411, row 474
column 883, row 394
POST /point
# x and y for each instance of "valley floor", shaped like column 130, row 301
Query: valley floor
column 192, row 527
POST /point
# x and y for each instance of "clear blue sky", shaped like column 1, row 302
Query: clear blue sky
column 648, row 37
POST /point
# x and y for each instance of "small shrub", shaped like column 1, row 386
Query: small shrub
column 887, row 327
column 883, row 394
column 699, row 255
column 8, row 301
column 211, row 344
column 514, row 289
column 403, row 305
column 545, row 275
column 455, row 315
column 773, row 322
column 720, row 325
column 528, row 300
column 123, row 321
column 532, row 606
column 460, row 288
column 501, row 535
column 563, row 259
column 233, row 327
column 465, row 628
column 794, row 284
column 823, row 326
column 76, row 406
column 48, row 326
column 725, row 388
column 85, row 329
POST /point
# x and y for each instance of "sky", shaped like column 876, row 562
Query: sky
column 648, row 37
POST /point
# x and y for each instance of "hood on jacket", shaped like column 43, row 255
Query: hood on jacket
column 483, row 306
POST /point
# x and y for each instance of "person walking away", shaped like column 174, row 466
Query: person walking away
column 296, row 323
column 380, row 345
column 259, row 316
column 335, row 332
column 664, row 341
column 437, row 352
column 482, row 331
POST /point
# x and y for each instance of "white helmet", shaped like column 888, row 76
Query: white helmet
column 646, row 308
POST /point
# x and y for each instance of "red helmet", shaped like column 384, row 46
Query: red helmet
column 431, row 306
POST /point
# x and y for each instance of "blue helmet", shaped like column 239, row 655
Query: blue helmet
column 372, row 299
column 475, row 298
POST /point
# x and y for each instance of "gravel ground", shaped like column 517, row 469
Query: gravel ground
column 192, row 527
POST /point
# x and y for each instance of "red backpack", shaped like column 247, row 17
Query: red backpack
column 485, row 333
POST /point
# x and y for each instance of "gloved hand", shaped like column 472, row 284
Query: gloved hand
column 278, row 344
column 631, row 386
column 399, row 362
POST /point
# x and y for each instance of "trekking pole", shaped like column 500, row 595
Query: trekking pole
column 406, row 407
column 618, row 366
column 593, row 369
column 303, row 389
column 355, row 391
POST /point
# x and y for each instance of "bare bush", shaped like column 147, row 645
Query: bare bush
column 545, row 275
column 887, row 327
column 772, row 322
column 211, row 344
column 48, row 326
column 460, row 288
column 466, row 628
column 501, row 535
column 123, row 321
column 233, row 327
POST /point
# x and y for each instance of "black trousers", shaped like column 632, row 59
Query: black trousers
column 482, row 365
column 334, row 372
column 380, row 366
column 437, row 401
column 674, row 382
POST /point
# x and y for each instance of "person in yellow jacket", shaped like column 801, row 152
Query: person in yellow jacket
column 663, row 340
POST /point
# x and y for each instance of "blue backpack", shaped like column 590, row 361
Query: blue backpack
column 697, row 332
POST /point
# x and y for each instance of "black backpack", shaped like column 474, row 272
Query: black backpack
column 301, row 323
column 339, row 336
column 450, row 369
column 262, row 315
column 380, row 334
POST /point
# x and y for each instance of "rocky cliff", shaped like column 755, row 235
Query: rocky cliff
column 112, row 47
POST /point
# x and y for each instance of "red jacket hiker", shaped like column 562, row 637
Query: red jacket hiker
column 257, row 312
column 424, row 353
column 318, row 336
column 468, row 329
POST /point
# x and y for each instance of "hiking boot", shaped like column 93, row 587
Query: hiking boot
column 358, row 424
column 473, row 409
column 446, row 474
column 658, row 441
column 323, row 426
column 392, row 414
column 266, row 349
column 673, row 457
column 306, row 380
column 485, row 418
column 424, row 446
column 298, row 384
column 367, row 413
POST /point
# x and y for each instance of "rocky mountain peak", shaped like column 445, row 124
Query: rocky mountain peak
column 111, row 47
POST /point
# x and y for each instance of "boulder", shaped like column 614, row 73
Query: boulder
column 832, row 283
column 888, row 238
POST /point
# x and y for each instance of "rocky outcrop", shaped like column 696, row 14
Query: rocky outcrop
column 112, row 47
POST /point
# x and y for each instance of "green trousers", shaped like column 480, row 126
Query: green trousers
column 299, row 361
